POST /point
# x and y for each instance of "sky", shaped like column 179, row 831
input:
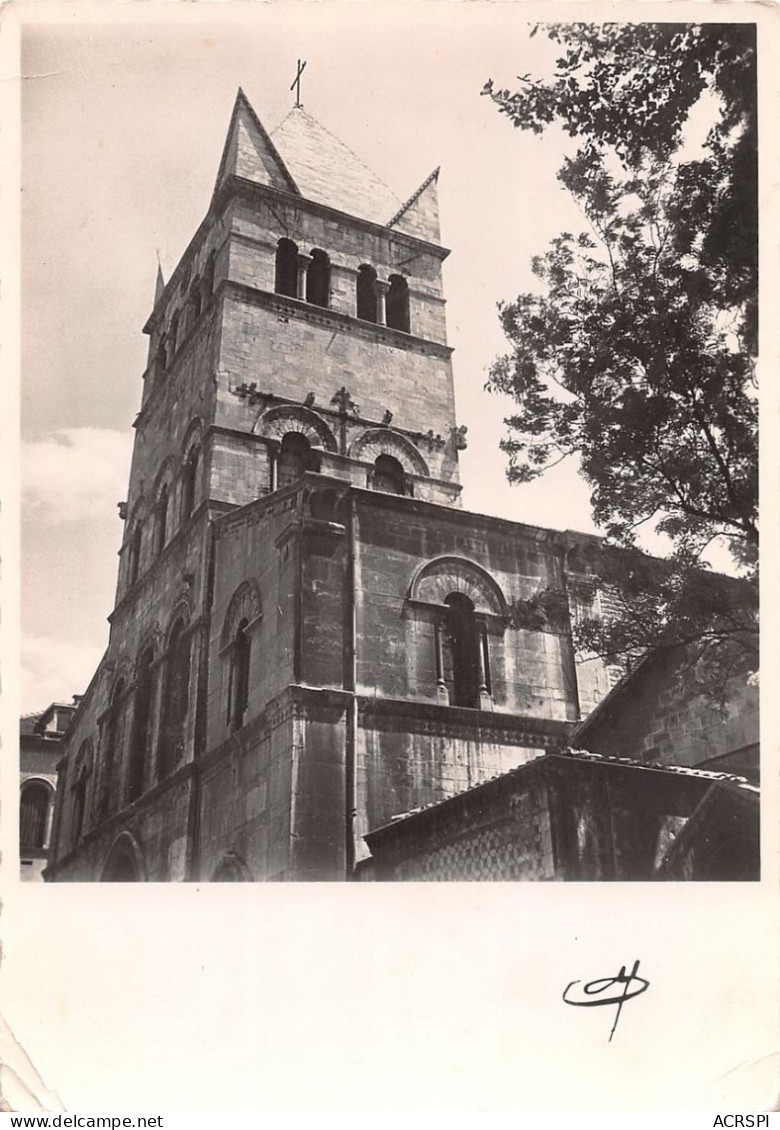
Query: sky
column 176, row 1003
column 122, row 133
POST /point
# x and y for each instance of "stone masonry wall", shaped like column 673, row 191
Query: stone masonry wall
column 499, row 840
column 294, row 356
column 249, row 550
column 531, row 671
column 256, row 229
column 656, row 719
column 161, row 828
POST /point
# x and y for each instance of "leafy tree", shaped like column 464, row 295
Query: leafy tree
column 638, row 353
column 631, row 88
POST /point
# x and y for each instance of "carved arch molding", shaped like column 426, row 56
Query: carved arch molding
column 381, row 441
column 278, row 422
column 438, row 579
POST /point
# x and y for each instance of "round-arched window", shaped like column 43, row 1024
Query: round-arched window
column 388, row 475
column 295, row 457
column 366, row 293
column 286, row 281
column 34, row 815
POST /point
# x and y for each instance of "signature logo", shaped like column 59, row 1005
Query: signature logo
column 603, row 991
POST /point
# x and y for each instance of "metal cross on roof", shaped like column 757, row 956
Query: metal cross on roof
column 296, row 83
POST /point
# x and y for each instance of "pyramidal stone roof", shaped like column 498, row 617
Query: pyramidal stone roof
column 301, row 157
column 328, row 172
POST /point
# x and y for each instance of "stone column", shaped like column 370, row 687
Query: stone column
column 50, row 811
column 485, row 699
column 303, row 267
column 380, row 289
column 442, row 694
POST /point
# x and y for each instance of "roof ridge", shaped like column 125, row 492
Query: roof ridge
column 583, row 755
column 279, row 124
column 415, row 196
column 684, row 770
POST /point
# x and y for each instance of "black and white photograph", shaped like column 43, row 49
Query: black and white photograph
column 388, row 491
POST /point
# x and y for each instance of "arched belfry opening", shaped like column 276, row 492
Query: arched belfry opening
column 286, row 281
column 295, row 458
column 318, row 279
column 366, row 293
column 398, row 304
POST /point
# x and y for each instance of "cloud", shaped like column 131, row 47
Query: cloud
column 75, row 474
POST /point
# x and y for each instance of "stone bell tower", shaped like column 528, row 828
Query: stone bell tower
column 309, row 635
column 330, row 348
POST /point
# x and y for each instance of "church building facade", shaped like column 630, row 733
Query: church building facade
column 310, row 635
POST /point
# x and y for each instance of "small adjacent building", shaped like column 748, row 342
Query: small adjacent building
column 572, row 815
column 40, row 748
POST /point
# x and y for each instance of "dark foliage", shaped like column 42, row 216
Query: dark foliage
column 638, row 355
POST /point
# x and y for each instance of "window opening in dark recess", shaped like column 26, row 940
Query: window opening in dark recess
column 318, row 279
column 366, row 293
column 398, row 304
column 286, row 281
